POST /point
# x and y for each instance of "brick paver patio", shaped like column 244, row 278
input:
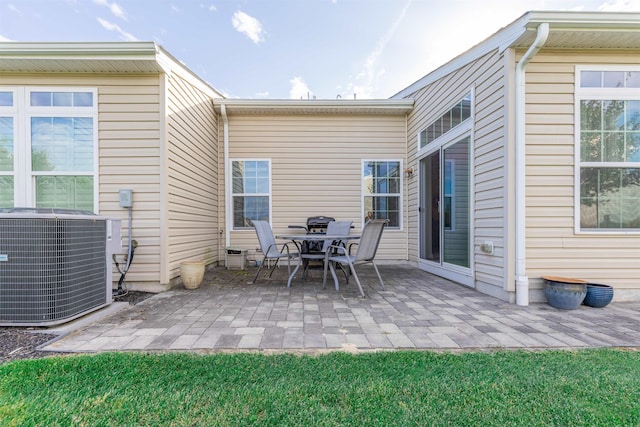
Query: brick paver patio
column 416, row 311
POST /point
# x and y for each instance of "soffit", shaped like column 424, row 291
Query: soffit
column 614, row 31
column 20, row 57
column 572, row 39
column 309, row 107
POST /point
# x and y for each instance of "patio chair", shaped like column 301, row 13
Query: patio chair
column 366, row 252
column 334, row 228
column 271, row 249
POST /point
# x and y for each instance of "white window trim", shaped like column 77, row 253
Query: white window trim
column 462, row 130
column 400, row 195
column 230, row 225
column 454, row 130
column 623, row 94
column 12, row 111
column 22, row 112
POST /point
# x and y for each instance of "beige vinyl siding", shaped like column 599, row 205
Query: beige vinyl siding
column 129, row 156
column 486, row 76
column 316, row 167
column 192, row 181
column 553, row 247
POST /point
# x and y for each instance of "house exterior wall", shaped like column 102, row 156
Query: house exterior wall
column 553, row 247
column 129, row 136
column 316, row 162
column 191, row 177
column 487, row 77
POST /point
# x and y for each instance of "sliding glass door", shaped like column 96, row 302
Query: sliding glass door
column 445, row 207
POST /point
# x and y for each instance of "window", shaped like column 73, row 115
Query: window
column 382, row 191
column 48, row 148
column 7, row 137
column 449, row 120
column 608, row 177
column 251, row 192
column 449, row 203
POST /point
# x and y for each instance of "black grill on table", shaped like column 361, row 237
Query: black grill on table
column 315, row 225
column 318, row 224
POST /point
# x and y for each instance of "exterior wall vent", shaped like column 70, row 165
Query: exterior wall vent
column 55, row 265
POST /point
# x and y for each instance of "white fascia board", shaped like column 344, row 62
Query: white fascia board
column 136, row 52
column 529, row 22
column 384, row 106
column 171, row 64
column 617, row 21
column 79, row 50
column 496, row 41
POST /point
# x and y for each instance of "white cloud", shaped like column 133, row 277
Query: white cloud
column 116, row 28
column 5, row 39
column 114, row 7
column 299, row 89
column 264, row 94
column 620, row 6
column 249, row 26
column 13, row 8
column 364, row 85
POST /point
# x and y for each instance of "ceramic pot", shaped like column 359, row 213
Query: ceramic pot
column 191, row 273
column 563, row 292
column 598, row 295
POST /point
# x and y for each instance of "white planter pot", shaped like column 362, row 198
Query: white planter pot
column 191, row 273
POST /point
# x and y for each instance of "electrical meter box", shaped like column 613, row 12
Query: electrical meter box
column 126, row 198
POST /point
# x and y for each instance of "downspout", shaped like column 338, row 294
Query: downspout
column 227, row 176
column 522, row 281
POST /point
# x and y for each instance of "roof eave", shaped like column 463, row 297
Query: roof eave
column 94, row 57
column 510, row 35
column 79, row 50
column 585, row 20
column 339, row 106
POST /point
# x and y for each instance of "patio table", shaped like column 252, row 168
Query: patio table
column 301, row 239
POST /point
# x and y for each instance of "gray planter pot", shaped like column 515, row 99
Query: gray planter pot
column 564, row 293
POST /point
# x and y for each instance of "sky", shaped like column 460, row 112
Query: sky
column 288, row 49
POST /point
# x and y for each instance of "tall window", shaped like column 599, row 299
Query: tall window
column 7, row 136
column 609, row 149
column 251, row 191
column 382, row 188
column 48, row 148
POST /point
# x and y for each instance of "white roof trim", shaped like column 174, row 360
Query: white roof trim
column 121, row 57
column 79, row 50
column 507, row 36
column 382, row 106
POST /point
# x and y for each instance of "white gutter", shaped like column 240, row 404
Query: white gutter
column 522, row 281
column 227, row 177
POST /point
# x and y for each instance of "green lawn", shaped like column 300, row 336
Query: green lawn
column 558, row 388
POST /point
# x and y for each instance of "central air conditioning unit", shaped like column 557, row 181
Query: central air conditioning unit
column 55, row 264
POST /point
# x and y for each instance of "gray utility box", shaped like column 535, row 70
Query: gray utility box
column 236, row 258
